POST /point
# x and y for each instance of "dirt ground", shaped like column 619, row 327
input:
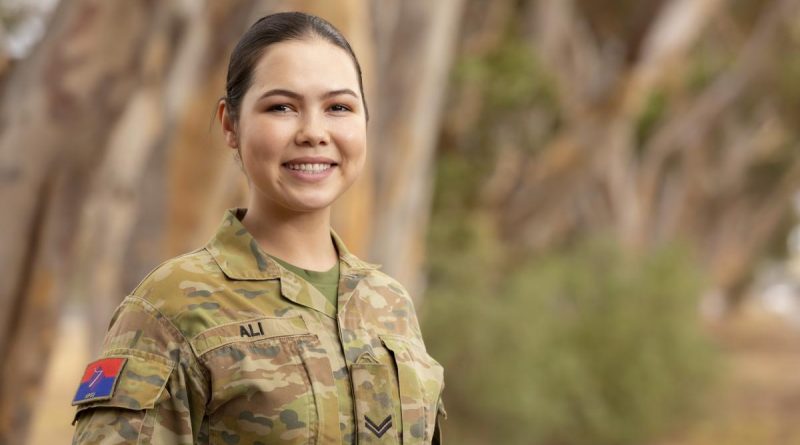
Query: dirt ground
column 756, row 403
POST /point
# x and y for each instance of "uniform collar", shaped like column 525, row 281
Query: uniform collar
column 239, row 256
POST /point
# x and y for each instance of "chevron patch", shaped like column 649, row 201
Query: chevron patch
column 378, row 429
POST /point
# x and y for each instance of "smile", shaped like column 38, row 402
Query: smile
column 310, row 172
column 309, row 168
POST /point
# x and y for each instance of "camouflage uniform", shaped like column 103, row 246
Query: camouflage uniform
column 225, row 346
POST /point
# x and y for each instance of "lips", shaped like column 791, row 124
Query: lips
column 310, row 167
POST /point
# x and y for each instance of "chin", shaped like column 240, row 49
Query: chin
column 309, row 205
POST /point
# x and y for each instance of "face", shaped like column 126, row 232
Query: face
column 301, row 130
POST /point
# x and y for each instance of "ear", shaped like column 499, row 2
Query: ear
column 228, row 125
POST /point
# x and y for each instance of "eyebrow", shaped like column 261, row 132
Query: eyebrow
column 298, row 96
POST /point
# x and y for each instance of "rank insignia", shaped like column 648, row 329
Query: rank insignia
column 99, row 380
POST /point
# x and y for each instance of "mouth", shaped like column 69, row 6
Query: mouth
column 309, row 167
column 310, row 170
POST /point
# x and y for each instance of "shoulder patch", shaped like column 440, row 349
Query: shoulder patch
column 99, row 380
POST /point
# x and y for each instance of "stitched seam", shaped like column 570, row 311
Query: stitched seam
column 313, row 438
column 145, row 355
column 249, row 340
column 162, row 264
column 203, row 358
column 170, row 325
column 151, row 414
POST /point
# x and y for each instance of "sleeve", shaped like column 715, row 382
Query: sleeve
column 440, row 414
column 146, row 388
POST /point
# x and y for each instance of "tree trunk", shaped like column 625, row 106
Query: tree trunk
column 54, row 126
column 415, row 55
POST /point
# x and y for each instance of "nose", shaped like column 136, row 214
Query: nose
column 312, row 131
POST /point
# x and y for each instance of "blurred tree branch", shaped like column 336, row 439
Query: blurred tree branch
column 595, row 168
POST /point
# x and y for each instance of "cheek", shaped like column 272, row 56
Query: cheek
column 353, row 142
column 264, row 141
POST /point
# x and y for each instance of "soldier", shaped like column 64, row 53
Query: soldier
column 272, row 333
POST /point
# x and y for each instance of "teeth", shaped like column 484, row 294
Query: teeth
column 313, row 168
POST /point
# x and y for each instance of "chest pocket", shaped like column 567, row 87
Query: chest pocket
column 271, row 382
column 421, row 381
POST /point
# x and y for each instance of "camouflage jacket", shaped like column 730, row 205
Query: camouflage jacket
column 225, row 346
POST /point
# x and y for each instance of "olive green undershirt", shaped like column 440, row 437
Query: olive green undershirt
column 327, row 282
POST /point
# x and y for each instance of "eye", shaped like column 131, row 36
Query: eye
column 279, row 108
column 340, row 108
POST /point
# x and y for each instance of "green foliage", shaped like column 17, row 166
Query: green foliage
column 509, row 75
column 653, row 112
column 583, row 346
column 785, row 78
column 707, row 63
column 762, row 174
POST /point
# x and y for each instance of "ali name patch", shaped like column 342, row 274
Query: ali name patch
column 99, row 380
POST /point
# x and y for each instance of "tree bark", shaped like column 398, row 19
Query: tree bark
column 54, row 118
column 412, row 77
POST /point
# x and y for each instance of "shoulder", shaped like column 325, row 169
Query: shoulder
column 178, row 292
column 385, row 305
column 188, row 275
column 185, row 282
column 149, row 310
column 386, row 283
column 152, row 315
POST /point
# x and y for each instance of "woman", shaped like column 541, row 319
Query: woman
column 272, row 333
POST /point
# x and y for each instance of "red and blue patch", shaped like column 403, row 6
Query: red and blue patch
column 99, row 380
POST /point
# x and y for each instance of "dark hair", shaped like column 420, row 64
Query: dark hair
column 269, row 30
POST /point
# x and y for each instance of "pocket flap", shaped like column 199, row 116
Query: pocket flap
column 409, row 351
column 421, row 382
column 130, row 381
column 394, row 344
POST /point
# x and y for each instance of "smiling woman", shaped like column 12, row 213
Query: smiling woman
column 300, row 131
column 273, row 332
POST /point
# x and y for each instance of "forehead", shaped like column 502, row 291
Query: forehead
column 305, row 65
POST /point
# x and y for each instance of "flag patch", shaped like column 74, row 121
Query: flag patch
column 99, row 380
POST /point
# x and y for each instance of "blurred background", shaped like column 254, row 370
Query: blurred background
column 595, row 203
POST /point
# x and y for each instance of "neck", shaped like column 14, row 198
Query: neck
column 299, row 238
